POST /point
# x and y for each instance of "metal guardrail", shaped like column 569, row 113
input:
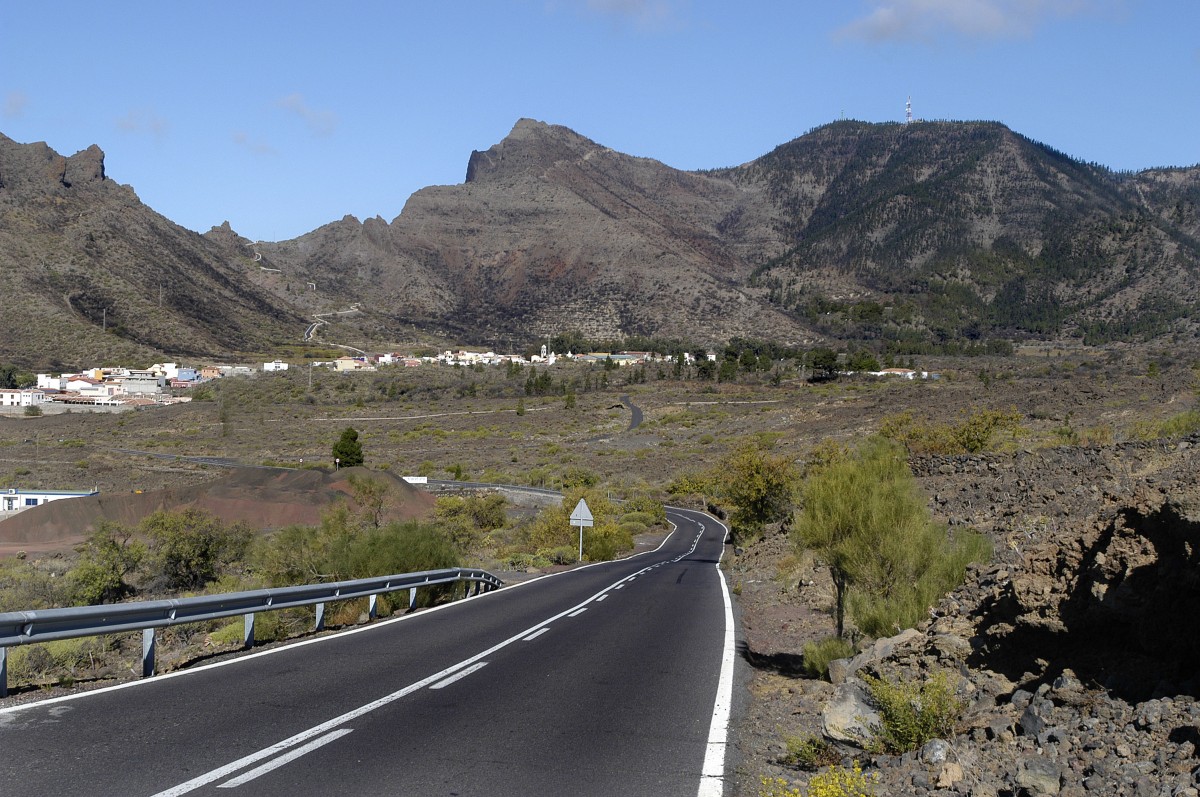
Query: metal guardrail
column 47, row 625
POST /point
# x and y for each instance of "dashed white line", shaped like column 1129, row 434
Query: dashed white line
column 285, row 759
column 538, row 633
column 577, row 612
column 442, row 684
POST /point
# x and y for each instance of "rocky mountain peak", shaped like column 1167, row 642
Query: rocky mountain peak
column 531, row 148
column 38, row 169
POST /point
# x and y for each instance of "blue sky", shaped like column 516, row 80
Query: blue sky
column 283, row 116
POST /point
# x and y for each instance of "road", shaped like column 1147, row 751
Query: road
column 613, row 679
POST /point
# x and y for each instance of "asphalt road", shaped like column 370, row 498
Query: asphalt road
column 613, row 679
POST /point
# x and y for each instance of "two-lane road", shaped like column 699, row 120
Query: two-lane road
column 614, row 679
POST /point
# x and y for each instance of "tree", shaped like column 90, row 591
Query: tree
column 824, row 363
column 862, row 360
column 373, row 498
column 347, row 451
column 189, row 549
column 106, row 560
column 865, row 518
column 759, row 485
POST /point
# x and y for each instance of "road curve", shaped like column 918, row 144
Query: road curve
column 612, row 679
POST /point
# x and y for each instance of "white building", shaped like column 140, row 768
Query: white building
column 51, row 382
column 21, row 398
column 275, row 365
column 13, row 500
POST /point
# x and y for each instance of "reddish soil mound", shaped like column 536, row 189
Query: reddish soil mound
column 264, row 498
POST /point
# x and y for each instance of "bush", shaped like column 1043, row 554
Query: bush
column 604, row 542
column 809, row 752
column 912, row 715
column 817, row 655
column 865, row 516
column 63, row 660
column 562, row 555
column 106, row 560
column 644, row 518
column 837, row 781
column 645, row 504
column 188, row 549
column 973, row 433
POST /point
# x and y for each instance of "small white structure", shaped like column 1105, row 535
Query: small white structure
column 275, row 365
column 51, row 382
column 13, row 500
column 21, row 398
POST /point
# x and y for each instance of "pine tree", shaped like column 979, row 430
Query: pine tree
column 347, row 451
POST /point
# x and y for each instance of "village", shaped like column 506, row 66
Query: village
column 115, row 389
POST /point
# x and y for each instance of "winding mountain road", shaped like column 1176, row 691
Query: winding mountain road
column 611, row 679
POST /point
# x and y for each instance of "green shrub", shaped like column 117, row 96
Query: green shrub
column 188, row 549
column 1181, row 424
column 632, row 528
column 525, row 561
column 809, row 752
column 972, row 434
column 106, row 560
column 645, row 504
column 912, row 715
column 561, row 555
column 645, row 518
column 837, row 781
column 604, row 543
column 817, row 655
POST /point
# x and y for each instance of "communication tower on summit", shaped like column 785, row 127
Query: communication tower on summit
column 908, row 111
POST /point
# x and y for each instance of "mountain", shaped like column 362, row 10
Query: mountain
column 906, row 236
column 912, row 235
column 93, row 275
column 969, row 229
column 550, row 232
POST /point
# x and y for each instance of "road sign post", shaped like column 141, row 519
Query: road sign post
column 581, row 516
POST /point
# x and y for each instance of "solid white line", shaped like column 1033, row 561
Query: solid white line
column 459, row 675
column 285, row 759
column 712, row 776
column 541, row 631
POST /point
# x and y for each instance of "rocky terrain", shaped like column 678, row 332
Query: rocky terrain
column 1074, row 650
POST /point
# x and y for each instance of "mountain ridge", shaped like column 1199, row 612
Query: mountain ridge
column 899, row 236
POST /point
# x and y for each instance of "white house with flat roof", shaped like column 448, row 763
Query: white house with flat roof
column 15, row 499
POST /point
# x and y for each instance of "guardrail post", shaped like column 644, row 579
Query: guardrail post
column 412, row 597
column 248, row 633
column 3, row 672
column 319, row 624
column 148, row 645
column 372, row 606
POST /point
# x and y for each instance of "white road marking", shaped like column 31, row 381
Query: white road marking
column 541, row 631
column 285, row 759
column 602, row 597
column 362, row 629
column 577, row 612
column 712, row 776
column 328, row 725
column 460, row 674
